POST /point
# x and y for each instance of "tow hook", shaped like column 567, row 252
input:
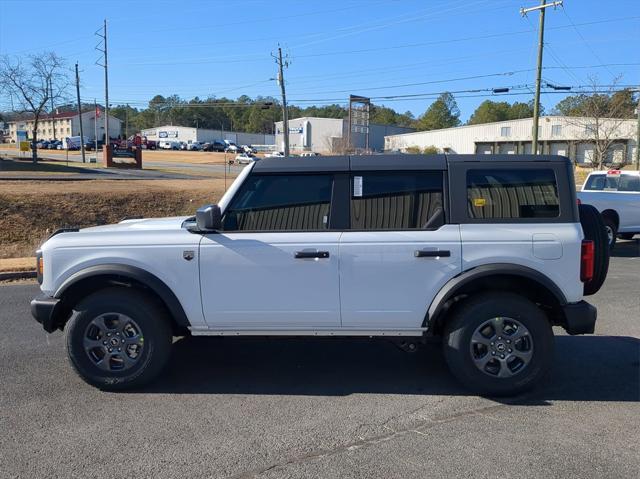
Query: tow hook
column 406, row 346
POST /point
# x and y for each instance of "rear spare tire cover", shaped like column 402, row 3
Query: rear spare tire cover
column 594, row 230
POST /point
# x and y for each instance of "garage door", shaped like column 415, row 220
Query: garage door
column 584, row 153
column 507, row 148
column 559, row 149
column 484, row 149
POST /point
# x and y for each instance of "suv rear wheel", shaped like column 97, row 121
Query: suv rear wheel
column 498, row 344
column 118, row 339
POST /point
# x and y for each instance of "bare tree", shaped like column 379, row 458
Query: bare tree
column 600, row 121
column 31, row 85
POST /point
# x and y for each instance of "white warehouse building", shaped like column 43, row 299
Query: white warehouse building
column 330, row 135
column 573, row 137
column 189, row 134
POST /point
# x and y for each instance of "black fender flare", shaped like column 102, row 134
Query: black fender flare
column 448, row 291
column 126, row 272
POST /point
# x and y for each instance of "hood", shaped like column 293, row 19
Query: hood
column 154, row 224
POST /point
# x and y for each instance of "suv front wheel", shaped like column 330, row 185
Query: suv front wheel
column 118, row 339
column 498, row 344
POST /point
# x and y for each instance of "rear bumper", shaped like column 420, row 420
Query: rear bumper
column 580, row 318
column 43, row 309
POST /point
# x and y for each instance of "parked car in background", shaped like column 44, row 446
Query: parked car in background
column 214, row 146
column 245, row 158
column 249, row 149
column 616, row 195
column 194, row 146
column 169, row 145
column 183, row 145
column 91, row 145
column 42, row 144
column 53, row 145
column 232, row 148
column 70, row 143
column 275, row 154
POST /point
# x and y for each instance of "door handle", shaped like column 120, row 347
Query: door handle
column 311, row 254
column 420, row 253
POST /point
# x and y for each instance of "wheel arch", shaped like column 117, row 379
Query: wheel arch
column 503, row 277
column 95, row 278
column 613, row 214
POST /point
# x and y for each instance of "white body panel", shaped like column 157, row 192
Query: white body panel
column 155, row 246
column 254, row 281
column 384, row 285
column 552, row 249
column 625, row 203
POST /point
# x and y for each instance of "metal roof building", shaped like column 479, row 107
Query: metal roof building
column 573, row 137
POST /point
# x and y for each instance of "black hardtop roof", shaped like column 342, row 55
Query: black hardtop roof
column 396, row 162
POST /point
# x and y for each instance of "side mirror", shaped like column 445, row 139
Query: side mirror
column 209, row 218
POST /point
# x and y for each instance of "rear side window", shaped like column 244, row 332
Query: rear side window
column 396, row 201
column 281, row 203
column 512, row 193
column 613, row 183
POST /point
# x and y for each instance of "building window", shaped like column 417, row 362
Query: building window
column 556, row 130
column 396, row 201
column 68, row 130
column 505, row 131
column 505, row 193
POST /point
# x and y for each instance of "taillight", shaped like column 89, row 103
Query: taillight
column 39, row 266
column 586, row 261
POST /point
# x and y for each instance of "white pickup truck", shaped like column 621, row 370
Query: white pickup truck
column 616, row 195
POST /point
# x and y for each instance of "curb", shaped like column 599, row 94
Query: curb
column 17, row 275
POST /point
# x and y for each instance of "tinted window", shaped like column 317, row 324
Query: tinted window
column 396, row 200
column 503, row 193
column 280, row 202
column 613, row 183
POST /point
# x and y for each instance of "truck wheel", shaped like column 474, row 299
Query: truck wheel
column 498, row 344
column 612, row 231
column 594, row 229
column 117, row 339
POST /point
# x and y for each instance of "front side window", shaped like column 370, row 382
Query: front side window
column 512, row 193
column 281, row 203
column 396, row 201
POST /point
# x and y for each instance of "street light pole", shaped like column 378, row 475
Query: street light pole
column 536, row 99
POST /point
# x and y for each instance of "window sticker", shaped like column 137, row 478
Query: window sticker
column 479, row 202
column 357, row 186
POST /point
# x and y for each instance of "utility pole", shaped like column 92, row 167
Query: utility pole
column 53, row 118
column 536, row 99
column 95, row 125
column 79, row 114
column 106, row 79
column 285, row 114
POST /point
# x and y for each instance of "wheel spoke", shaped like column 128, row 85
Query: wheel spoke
column 498, row 325
column 521, row 332
column 504, row 371
column 479, row 338
column 90, row 343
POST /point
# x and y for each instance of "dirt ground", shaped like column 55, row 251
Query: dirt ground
column 32, row 210
column 17, row 264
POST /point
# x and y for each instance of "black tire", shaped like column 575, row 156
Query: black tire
column 612, row 231
column 594, row 229
column 480, row 309
column 627, row 236
column 155, row 337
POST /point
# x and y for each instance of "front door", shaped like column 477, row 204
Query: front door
column 275, row 264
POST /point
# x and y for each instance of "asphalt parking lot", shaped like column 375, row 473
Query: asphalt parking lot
column 324, row 408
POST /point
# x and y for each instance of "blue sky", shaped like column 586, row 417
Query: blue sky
column 377, row 48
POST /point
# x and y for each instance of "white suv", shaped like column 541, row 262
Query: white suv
column 485, row 253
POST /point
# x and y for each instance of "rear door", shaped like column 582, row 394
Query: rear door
column 398, row 252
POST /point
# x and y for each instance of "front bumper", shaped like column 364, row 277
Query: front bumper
column 43, row 309
column 580, row 318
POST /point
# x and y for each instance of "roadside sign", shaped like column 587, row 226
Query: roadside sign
column 24, row 146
